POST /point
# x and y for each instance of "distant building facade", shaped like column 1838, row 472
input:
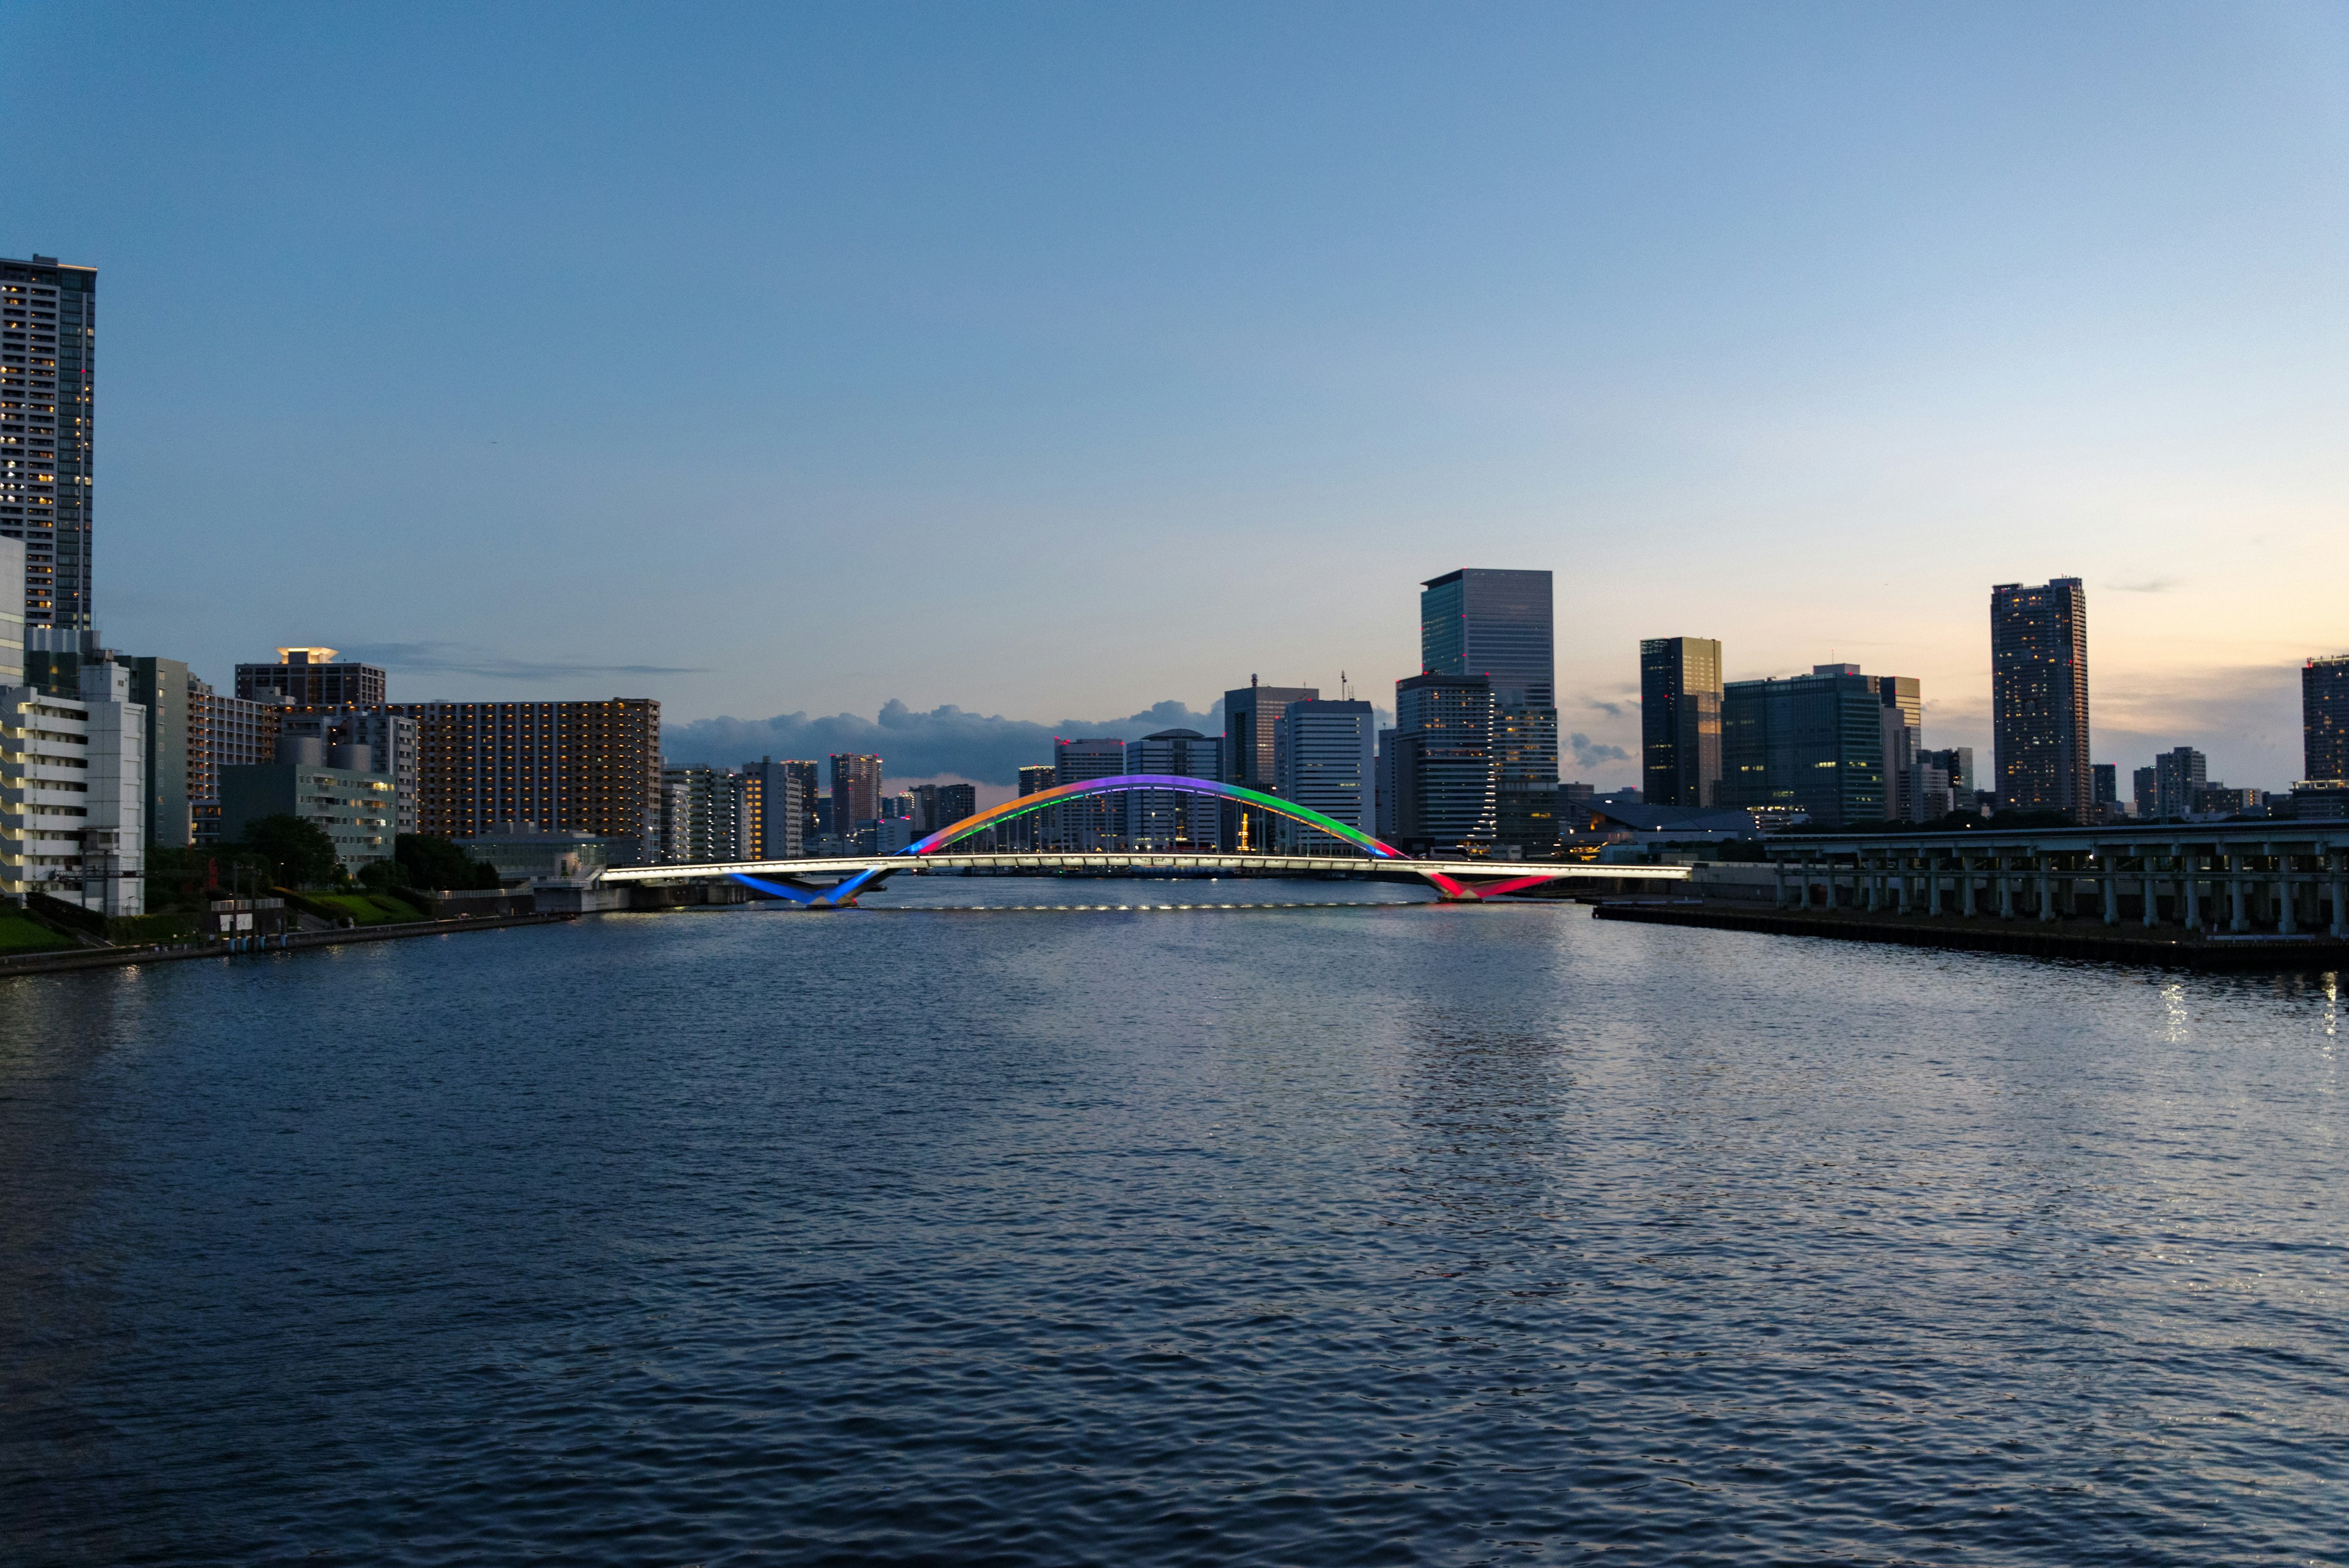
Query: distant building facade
column 390, row 738
column 1444, row 779
column 1250, row 715
column 2178, row 777
column 313, row 678
column 855, row 791
column 1096, row 822
column 1680, row 721
column 2039, row 696
column 574, row 767
column 1323, row 755
column 1808, row 744
column 2324, row 717
column 1170, row 819
column 335, row 789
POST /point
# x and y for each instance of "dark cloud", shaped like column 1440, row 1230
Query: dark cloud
column 987, row 748
column 462, row 658
column 1590, row 753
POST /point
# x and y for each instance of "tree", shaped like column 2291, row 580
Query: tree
column 433, row 862
column 298, row 853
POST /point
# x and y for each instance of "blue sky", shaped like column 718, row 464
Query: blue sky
column 1042, row 361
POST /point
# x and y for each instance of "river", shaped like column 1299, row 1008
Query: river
column 1403, row 1233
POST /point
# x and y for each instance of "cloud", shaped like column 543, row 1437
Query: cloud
column 1590, row 753
column 2149, row 585
column 464, row 659
column 987, row 748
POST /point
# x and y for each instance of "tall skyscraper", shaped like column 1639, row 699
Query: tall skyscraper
column 1443, row 774
column 1250, row 711
column 1809, row 743
column 855, row 792
column 2039, row 696
column 2324, row 717
column 313, row 678
column 1323, row 753
column 2106, row 790
column 1499, row 625
column 1680, row 721
column 1169, row 819
column 49, row 342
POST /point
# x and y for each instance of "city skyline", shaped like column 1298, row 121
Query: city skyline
column 1837, row 431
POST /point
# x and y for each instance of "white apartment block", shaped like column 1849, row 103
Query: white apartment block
column 73, row 793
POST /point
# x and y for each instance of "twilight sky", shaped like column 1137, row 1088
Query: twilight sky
column 1057, row 363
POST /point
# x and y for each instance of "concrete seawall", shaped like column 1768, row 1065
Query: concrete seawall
column 293, row 941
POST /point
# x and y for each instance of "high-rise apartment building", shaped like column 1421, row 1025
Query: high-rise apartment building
column 1445, row 785
column 809, row 775
column 570, row 767
column 1250, row 713
column 776, row 811
column 313, row 678
column 2178, row 777
column 1169, row 819
column 1094, row 821
column 1680, row 721
column 1812, row 744
column 2104, row 792
column 2147, row 793
column 702, row 816
column 2324, row 717
column 2039, row 696
column 1499, row 625
column 855, row 792
column 224, row 732
column 1324, row 753
column 48, row 346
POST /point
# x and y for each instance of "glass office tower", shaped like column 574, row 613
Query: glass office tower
column 1680, row 721
column 1499, row 625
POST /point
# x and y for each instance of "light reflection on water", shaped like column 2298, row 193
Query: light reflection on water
column 1400, row 1234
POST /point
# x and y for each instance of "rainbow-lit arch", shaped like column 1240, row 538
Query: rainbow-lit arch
column 995, row 816
column 1042, row 800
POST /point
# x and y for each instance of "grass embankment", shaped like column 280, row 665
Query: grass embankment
column 368, row 908
column 19, row 934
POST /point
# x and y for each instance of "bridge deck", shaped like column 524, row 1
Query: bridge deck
column 1140, row 862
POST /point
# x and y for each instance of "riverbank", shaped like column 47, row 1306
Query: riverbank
column 2164, row 946
column 291, row 941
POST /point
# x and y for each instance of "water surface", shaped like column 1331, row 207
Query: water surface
column 1396, row 1234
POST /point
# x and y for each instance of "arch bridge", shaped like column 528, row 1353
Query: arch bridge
column 838, row 882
